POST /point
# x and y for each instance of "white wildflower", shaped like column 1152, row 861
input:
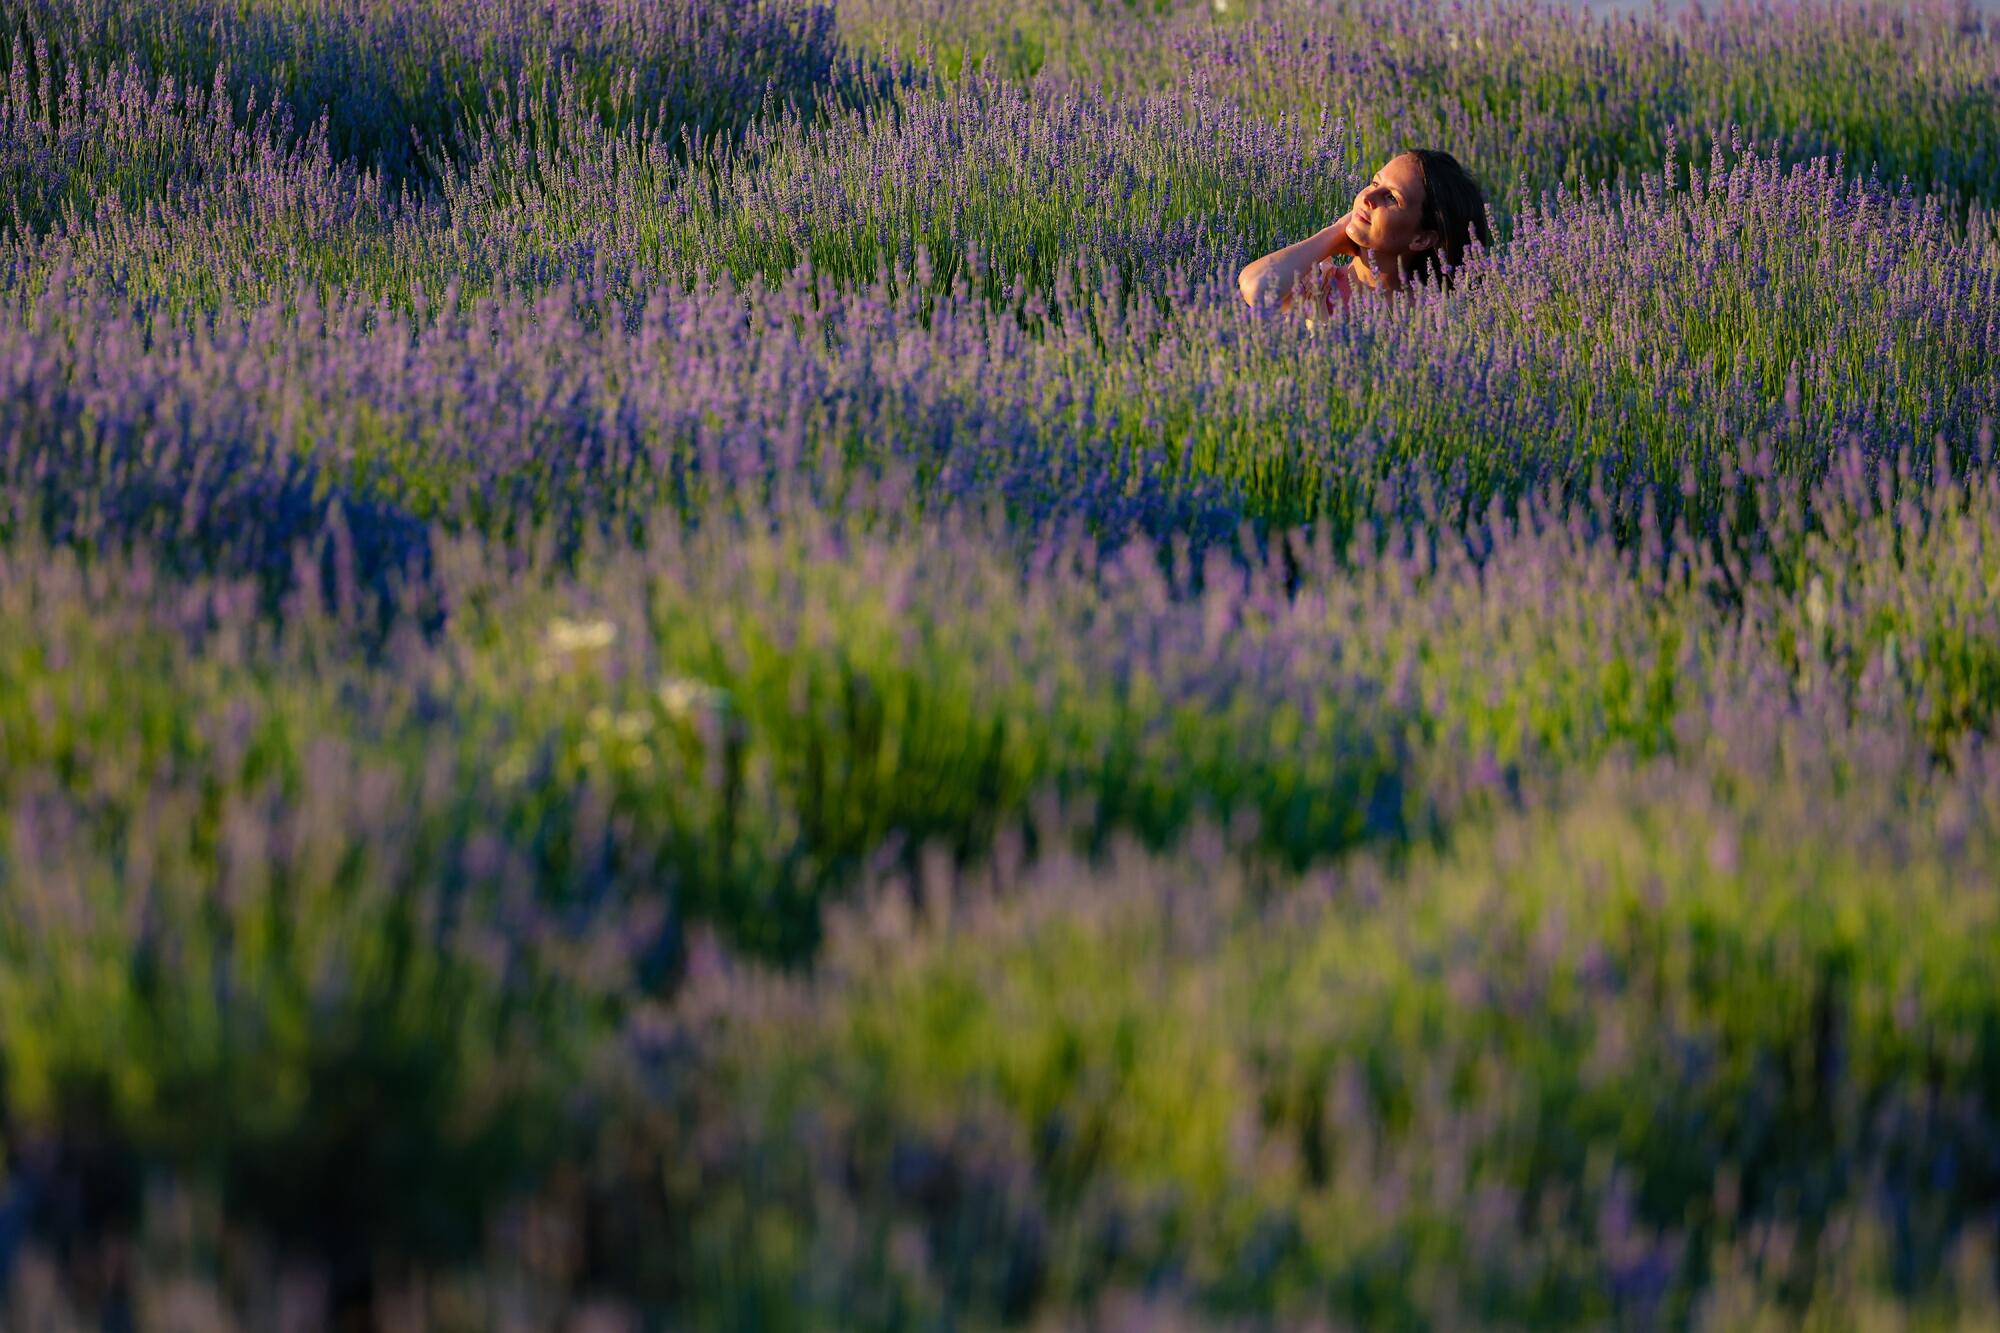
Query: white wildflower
column 681, row 696
column 568, row 643
column 572, row 637
column 1816, row 603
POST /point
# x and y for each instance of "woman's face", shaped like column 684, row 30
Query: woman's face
column 1388, row 213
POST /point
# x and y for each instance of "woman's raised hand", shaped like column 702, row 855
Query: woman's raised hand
column 1342, row 245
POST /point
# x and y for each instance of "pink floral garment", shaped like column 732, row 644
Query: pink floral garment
column 1338, row 281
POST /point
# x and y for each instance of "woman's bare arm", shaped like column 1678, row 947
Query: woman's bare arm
column 1280, row 271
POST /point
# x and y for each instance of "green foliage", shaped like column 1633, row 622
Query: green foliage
column 1644, row 1012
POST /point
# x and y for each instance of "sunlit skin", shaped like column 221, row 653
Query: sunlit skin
column 1384, row 230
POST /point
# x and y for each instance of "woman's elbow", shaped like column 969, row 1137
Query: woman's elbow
column 1250, row 282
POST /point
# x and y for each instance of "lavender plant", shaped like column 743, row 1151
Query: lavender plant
column 390, row 75
column 1533, row 94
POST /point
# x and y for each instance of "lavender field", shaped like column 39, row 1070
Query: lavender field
column 686, row 664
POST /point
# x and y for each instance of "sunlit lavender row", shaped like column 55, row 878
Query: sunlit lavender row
column 1759, row 309
column 690, row 665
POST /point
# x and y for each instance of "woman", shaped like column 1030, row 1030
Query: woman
column 1412, row 222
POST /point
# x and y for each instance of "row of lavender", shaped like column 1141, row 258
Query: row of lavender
column 1218, row 154
column 1659, row 977
column 391, row 78
column 266, row 344
column 575, row 699
column 1529, row 90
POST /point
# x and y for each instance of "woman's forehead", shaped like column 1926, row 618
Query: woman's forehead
column 1404, row 173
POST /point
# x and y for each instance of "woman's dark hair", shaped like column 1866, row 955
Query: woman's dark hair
column 1454, row 208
